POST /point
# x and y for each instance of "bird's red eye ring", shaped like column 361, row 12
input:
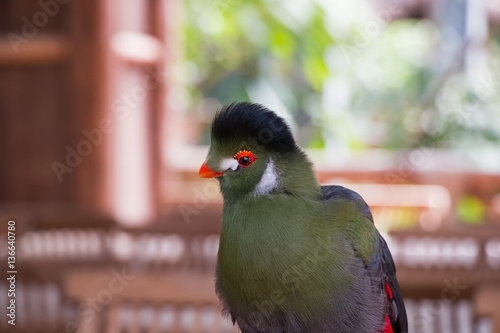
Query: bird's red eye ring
column 245, row 158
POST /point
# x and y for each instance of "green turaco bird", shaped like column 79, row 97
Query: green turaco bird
column 294, row 256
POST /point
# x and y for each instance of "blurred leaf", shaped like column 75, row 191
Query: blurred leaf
column 471, row 210
column 282, row 44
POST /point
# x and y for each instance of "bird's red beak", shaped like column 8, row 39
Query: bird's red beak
column 206, row 172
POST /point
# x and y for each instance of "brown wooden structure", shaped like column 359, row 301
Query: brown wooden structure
column 76, row 77
column 152, row 292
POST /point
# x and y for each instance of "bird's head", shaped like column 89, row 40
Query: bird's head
column 253, row 152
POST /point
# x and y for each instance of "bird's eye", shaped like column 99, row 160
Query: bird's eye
column 245, row 158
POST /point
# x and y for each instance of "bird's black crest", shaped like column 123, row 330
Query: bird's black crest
column 254, row 121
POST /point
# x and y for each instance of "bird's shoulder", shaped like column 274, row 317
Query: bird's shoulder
column 336, row 192
column 352, row 218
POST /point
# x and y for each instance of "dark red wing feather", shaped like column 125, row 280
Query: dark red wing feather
column 387, row 326
column 396, row 310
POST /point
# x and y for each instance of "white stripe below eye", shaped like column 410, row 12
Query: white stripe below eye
column 269, row 181
column 228, row 163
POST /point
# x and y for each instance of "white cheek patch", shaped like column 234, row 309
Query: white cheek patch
column 269, row 181
column 228, row 163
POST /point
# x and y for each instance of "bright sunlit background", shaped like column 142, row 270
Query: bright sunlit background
column 105, row 110
column 350, row 76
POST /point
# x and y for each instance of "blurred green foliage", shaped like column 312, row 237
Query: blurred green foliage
column 348, row 78
column 471, row 210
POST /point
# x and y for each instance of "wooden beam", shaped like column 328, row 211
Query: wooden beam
column 39, row 50
column 175, row 288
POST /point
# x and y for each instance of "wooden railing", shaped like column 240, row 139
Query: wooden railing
column 454, row 273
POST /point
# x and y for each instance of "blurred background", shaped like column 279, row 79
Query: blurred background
column 105, row 108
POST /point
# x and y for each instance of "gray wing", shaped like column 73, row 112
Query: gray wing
column 381, row 266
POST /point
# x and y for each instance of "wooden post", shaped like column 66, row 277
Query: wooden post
column 91, row 99
column 487, row 304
